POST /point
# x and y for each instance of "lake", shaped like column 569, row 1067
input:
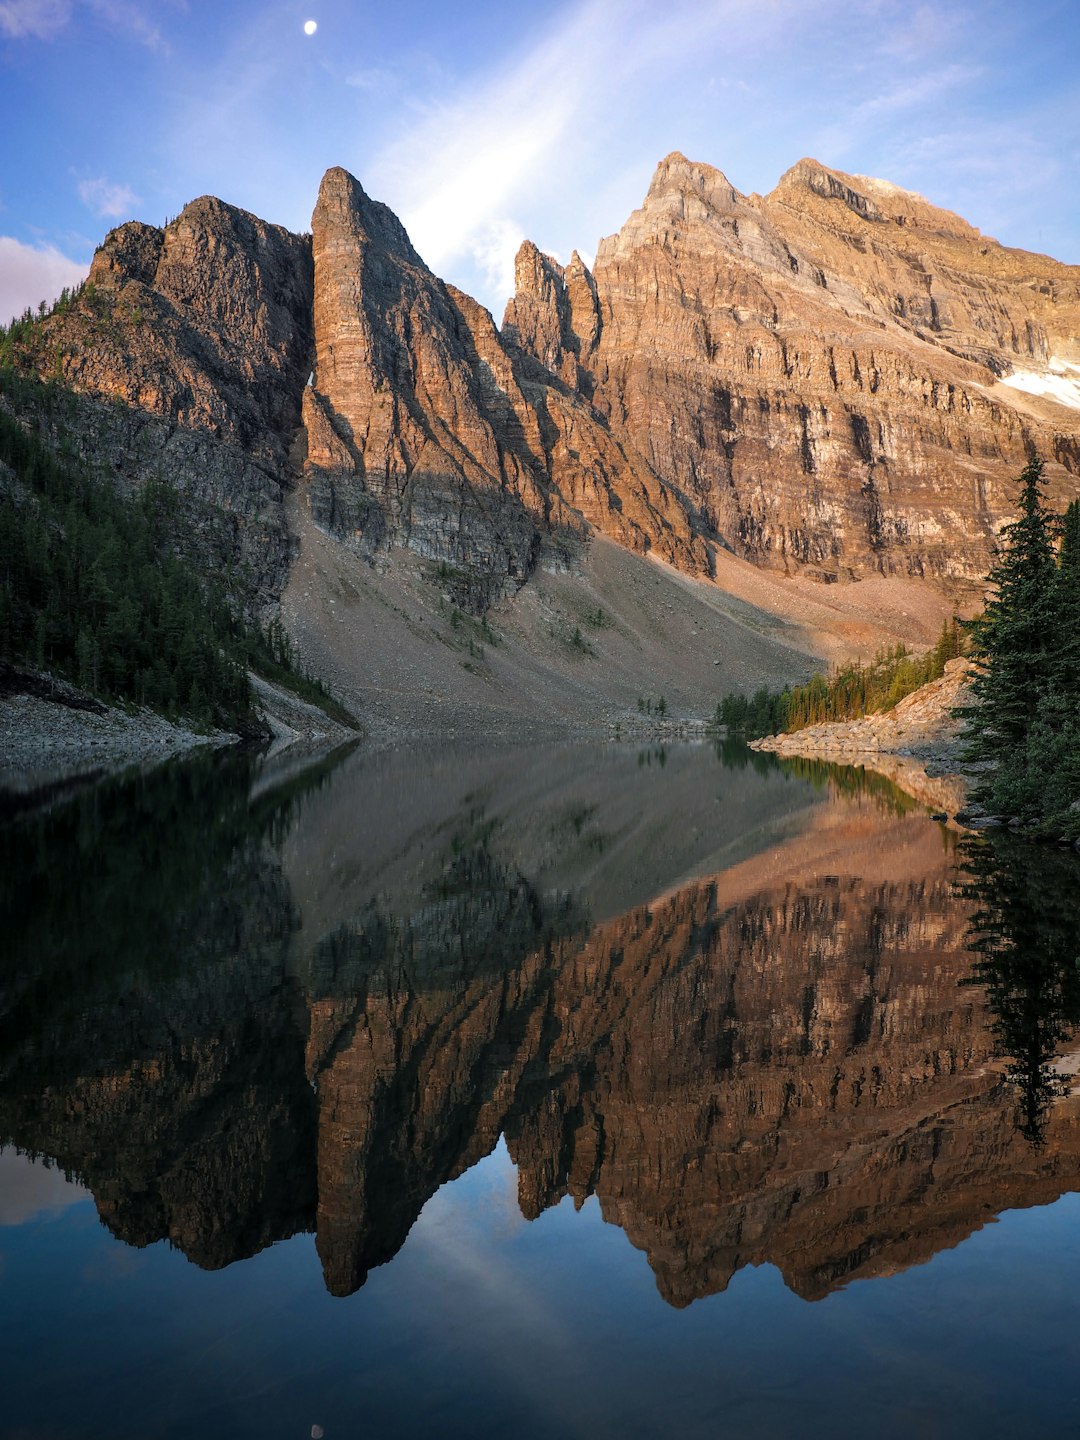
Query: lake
column 547, row 1091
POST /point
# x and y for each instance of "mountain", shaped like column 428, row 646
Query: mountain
column 835, row 382
column 838, row 376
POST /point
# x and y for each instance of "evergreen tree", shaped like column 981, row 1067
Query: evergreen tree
column 1025, row 714
column 93, row 587
column 1067, row 678
column 1014, row 639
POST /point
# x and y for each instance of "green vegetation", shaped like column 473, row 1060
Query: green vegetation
column 22, row 333
column 1024, row 717
column 851, row 691
column 647, row 706
column 829, row 776
column 92, row 588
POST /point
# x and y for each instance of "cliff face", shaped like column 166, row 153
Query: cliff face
column 818, row 373
column 206, row 323
column 837, row 378
column 420, row 428
column 187, row 352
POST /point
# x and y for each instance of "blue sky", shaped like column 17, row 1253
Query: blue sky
column 482, row 123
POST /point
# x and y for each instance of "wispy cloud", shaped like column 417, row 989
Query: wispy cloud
column 106, row 198
column 374, row 79
column 33, row 19
column 133, row 20
column 31, row 273
column 908, row 95
column 43, row 19
column 494, row 249
column 910, row 35
column 460, row 174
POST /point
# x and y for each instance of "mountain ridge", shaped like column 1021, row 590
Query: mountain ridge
column 833, row 382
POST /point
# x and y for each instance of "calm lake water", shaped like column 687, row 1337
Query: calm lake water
column 563, row 1091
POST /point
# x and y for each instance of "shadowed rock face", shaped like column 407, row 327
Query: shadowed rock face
column 188, row 351
column 206, row 322
column 776, row 1064
column 837, row 378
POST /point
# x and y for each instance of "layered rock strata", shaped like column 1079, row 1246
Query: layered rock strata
column 420, row 428
column 837, row 378
column 819, row 372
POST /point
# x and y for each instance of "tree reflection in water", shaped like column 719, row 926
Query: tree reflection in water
column 1025, row 932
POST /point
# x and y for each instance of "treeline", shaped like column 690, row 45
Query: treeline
column 22, row 329
column 1024, row 717
column 93, row 589
column 851, row 691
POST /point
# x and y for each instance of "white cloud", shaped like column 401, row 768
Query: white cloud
column 461, row 175
column 29, row 274
column 36, row 19
column 493, row 250
column 106, row 198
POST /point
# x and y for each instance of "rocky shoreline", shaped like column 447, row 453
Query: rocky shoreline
column 52, row 734
column 43, row 742
column 916, row 744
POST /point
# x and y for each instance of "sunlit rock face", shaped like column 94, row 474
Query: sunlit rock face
column 838, row 378
column 817, row 371
column 420, row 428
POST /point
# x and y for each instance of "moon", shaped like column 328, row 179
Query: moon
column 310, row 26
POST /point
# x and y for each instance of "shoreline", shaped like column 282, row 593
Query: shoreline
column 916, row 744
column 54, row 737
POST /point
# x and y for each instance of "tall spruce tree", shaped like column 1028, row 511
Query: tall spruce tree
column 1067, row 679
column 1025, row 712
column 1014, row 639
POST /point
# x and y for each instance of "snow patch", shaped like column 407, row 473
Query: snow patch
column 1060, row 381
column 886, row 187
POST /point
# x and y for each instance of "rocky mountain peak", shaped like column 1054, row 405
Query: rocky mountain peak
column 537, row 318
column 130, row 252
column 677, row 175
column 810, row 175
column 344, row 206
column 836, row 378
column 206, row 322
column 870, row 199
column 695, row 208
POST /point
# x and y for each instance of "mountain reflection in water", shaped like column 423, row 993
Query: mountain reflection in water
column 732, row 1004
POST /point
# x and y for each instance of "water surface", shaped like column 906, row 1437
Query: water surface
column 564, row 1090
